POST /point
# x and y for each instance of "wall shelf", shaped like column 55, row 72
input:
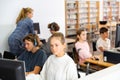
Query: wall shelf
column 80, row 14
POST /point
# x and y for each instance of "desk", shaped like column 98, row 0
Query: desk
column 111, row 73
column 99, row 63
column 94, row 65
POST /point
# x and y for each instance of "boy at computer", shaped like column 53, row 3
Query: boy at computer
column 103, row 43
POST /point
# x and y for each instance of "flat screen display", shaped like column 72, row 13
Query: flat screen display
column 12, row 69
column 36, row 28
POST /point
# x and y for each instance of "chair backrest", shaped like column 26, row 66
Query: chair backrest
column 8, row 55
column 94, row 45
column 43, row 41
column 76, row 56
column 0, row 55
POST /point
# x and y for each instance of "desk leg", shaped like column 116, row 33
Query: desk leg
column 87, row 70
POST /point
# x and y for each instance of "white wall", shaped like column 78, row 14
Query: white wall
column 45, row 11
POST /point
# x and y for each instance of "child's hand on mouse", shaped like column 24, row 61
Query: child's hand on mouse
column 94, row 58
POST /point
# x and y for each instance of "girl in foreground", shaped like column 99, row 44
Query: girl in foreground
column 58, row 66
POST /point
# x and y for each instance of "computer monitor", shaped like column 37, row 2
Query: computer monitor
column 12, row 70
column 36, row 28
column 112, row 56
column 117, row 36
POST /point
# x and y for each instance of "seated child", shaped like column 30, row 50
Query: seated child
column 103, row 43
column 58, row 66
column 82, row 46
column 34, row 57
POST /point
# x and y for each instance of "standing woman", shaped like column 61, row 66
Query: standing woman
column 24, row 27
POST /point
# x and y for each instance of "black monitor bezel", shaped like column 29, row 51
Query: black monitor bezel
column 12, row 69
column 37, row 27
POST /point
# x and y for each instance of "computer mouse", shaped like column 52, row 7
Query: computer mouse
column 96, row 58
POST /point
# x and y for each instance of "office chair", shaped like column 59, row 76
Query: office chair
column 0, row 55
column 94, row 45
column 8, row 55
column 76, row 60
column 43, row 41
column 87, row 66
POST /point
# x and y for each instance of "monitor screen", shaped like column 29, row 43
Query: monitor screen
column 36, row 28
column 12, row 70
column 112, row 56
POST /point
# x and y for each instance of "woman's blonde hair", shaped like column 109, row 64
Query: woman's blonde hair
column 23, row 14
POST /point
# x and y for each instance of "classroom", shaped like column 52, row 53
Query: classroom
column 87, row 34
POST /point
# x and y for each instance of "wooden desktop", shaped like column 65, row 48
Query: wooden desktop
column 99, row 63
column 110, row 73
column 91, row 65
